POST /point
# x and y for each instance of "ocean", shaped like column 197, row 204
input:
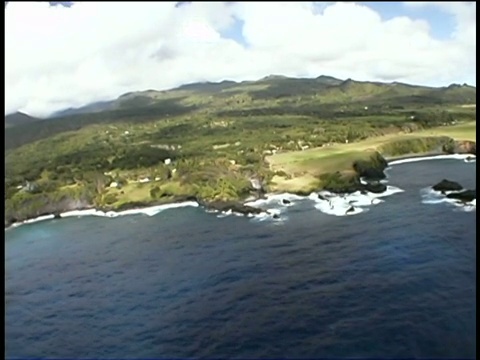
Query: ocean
column 396, row 279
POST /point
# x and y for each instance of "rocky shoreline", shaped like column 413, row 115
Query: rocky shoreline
column 458, row 147
column 455, row 191
column 238, row 207
column 367, row 179
column 220, row 206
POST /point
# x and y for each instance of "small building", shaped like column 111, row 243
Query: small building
column 113, row 184
column 144, row 180
column 168, row 161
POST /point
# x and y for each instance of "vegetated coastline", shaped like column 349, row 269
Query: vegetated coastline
column 364, row 175
column 224, row 143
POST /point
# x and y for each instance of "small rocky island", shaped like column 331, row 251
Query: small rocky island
column 455, row 191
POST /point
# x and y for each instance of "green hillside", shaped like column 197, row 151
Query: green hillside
column 217, row 135
column 322, row 97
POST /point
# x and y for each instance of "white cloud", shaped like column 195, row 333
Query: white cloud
column 465, row 13
column 59, row 57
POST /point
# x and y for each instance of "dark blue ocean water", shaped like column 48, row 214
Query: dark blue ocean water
column 396, row 281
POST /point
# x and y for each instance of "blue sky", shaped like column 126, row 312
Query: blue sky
column 441, row 23
column 85, row 52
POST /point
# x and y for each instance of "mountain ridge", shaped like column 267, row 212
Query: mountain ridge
column 19, row 118
column 225, row 84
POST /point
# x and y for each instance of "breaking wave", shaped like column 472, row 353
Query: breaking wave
column 432, row 197
column 275, row 205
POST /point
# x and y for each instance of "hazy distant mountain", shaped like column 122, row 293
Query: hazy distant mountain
column 19, row 118
column 91, row 108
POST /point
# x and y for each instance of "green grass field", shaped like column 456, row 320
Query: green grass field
column 303, row 167
column 465, row 131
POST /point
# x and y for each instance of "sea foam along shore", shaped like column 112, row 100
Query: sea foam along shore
column 150, row 211
column 464, row 157
column 275, row 206
column 432, row 197
column 326, row 202
column 337, row 205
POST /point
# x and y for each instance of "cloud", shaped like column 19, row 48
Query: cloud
column 58, row 57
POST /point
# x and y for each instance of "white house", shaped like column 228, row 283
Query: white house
column 168, row 161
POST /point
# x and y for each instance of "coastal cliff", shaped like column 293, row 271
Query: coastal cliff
column 462, row 147
column 44, row 205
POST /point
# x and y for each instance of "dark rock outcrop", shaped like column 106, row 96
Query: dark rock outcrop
column 371, row 173
column 376, row 188
column 10, row 221
column 346, row 189
column 286, row 202
column 129, row 206
column 447, row 185
column 350, row 209
column 460, row 147
column 231, row 206
column 48, row 207
column 275, row 216
column 371, row 168
column 353, row 185
column 321, row 197
column 301, row 192
column 465, row 147
column 184, row 198
column 463, row 196
column 338, row 183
